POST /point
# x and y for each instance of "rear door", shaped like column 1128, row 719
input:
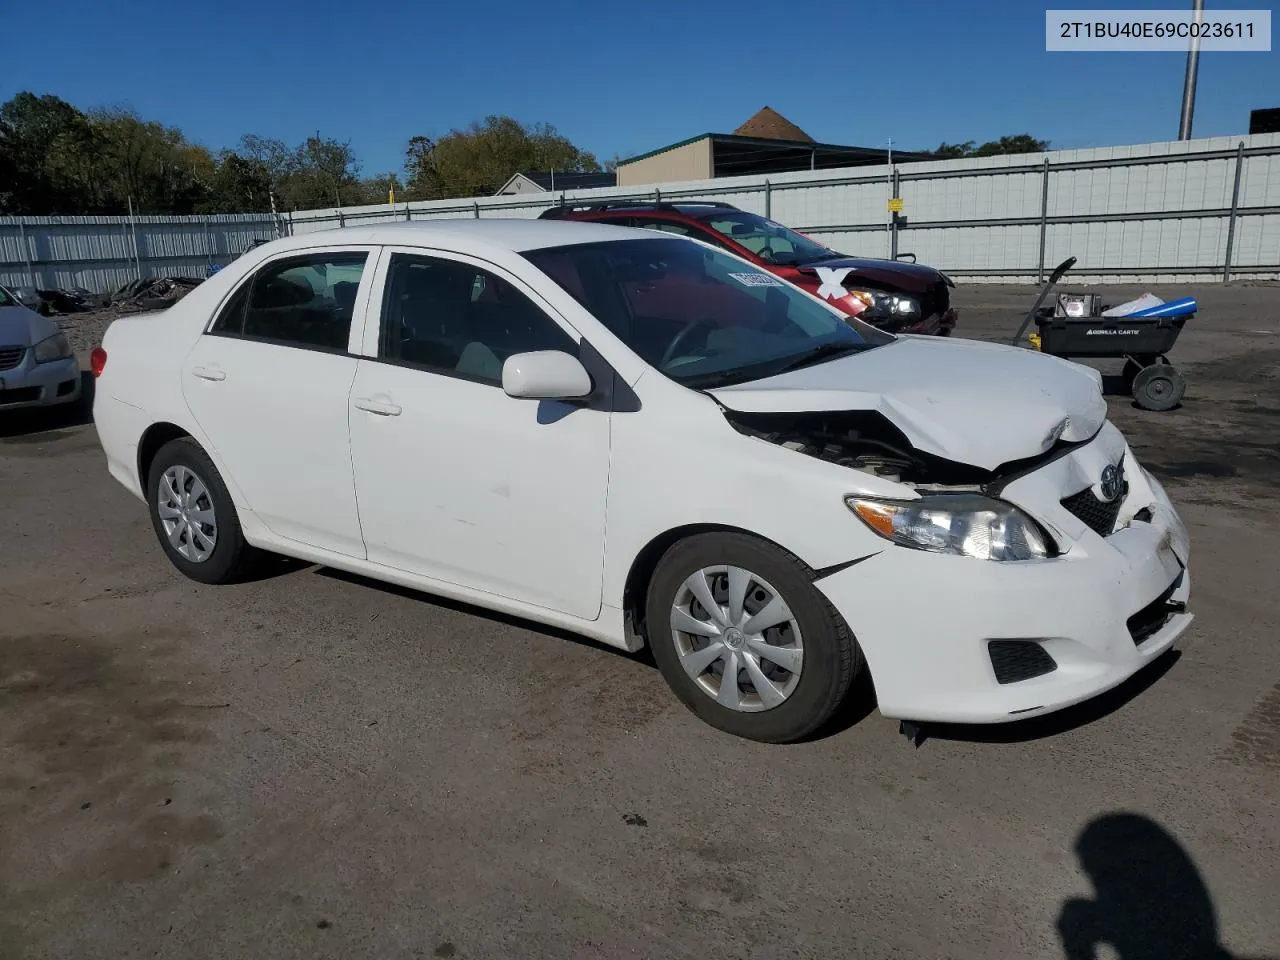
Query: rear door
column 269, row 384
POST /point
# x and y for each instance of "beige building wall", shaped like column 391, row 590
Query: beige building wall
column 692, row 161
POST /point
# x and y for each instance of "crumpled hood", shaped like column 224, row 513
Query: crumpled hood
column 976, row 403
column 897, row 275
column 23, row 327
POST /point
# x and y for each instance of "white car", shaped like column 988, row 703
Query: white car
column 643, row 439
column 37, row 365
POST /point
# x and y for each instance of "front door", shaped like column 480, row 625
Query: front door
column 456, row 480
column 269, row 384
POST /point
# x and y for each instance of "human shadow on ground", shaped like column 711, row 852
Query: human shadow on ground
column 1150, row 901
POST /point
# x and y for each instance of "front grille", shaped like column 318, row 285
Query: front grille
column 935, row 300
column 10, row 357
column 1151, row 619
column 1015, row 660
column 1096, row 514
column 21, row 395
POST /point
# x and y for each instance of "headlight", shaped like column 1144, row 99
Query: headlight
column 885, row 305
column 52, row 348
column 964, row 525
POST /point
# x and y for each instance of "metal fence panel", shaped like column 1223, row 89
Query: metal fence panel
column 1155, row 212
column 104, row 253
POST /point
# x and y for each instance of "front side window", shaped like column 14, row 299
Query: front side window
column 304, row 301
column 769, row 241
column 453, row 318
column 702, row 317
column 5, row 299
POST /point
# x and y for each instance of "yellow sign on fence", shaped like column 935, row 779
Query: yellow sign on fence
column 895, row 204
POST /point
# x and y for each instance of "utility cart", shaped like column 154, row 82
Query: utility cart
column 1141, row 333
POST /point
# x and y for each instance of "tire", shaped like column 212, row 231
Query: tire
column 830, row 658
column 231, row 557
column 1159, row 387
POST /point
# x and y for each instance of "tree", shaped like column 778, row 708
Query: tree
column 46, row 151
column 146, row 164
column 480, row 159
column 1018, row 143
column 241, row 184
column 377, row 189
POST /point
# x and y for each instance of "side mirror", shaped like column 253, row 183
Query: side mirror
column 545, row 375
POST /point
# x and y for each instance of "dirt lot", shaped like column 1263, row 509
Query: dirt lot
column 315, row 766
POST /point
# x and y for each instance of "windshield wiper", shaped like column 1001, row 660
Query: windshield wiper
column 828, row 351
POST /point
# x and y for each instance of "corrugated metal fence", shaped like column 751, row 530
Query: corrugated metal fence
column 1168, row 212
column 1199, row 210
column 104, row 253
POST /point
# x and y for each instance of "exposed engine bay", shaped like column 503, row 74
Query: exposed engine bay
column 866, row 440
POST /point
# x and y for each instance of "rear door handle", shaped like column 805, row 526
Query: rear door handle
column 380, row 407
column 208, row 373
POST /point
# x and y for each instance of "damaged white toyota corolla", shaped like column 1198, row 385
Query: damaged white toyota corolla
column 647, row 440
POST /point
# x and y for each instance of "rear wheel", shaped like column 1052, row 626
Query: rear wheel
column 745, row 640
column 193, row 516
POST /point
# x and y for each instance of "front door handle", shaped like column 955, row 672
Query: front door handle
column 381, row 407
column 208, row 373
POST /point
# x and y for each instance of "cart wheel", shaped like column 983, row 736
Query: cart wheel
column 1159, row 387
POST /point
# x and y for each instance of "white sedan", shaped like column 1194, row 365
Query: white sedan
column 647, row 440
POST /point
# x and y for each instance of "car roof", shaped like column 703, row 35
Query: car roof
column 466, row 234
column 693, row 209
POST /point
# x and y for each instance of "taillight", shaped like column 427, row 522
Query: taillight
column 98, row 361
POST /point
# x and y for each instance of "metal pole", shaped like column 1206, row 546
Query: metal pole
column 768, row 200
column 1189, row 82
column 1044, row 218
column 1235, row 206
column 893, row 236
column 133, row 227
column 26, row 253
column 208, row 242
column 475, row 209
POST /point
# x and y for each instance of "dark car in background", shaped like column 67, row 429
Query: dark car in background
column 895, row 295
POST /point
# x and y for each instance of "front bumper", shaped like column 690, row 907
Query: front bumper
column 1089, row 609
column 32, row 384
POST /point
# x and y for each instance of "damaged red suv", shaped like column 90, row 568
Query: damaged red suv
column 894, row 295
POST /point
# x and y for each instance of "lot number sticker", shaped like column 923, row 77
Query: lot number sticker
column 757, row 279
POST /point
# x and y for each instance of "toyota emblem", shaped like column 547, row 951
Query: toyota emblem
column 1109, row 487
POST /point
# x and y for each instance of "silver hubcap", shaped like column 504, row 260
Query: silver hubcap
column 186, row 511
column 737, row 638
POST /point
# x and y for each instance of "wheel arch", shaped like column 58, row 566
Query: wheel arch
column 636, row 586
column 149, row 444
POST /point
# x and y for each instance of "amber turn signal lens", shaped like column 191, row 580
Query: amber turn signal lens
column 877, row 516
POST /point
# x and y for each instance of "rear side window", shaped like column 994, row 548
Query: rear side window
column 303, row 301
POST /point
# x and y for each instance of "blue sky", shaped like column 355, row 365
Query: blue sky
column 615, row 78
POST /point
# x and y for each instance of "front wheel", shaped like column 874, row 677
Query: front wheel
column 745, row 640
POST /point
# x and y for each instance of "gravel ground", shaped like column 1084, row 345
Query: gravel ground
column 313, row 765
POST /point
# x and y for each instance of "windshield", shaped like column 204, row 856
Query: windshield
column 768, row 240
column 5, row 299
column 702, row 317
